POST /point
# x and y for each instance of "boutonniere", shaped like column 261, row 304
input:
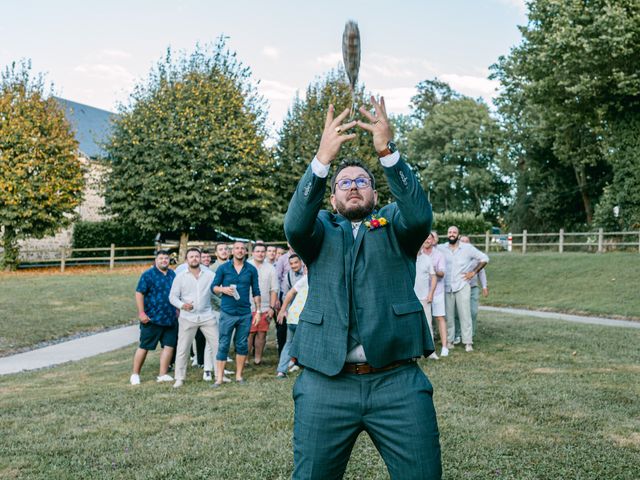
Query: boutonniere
column 375, row 222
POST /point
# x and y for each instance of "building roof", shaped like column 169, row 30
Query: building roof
column 92, row 126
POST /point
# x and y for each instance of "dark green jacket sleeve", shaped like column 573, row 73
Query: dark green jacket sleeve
column 414, row 215
column 301, row 225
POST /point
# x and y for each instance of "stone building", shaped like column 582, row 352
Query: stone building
column 92, row 126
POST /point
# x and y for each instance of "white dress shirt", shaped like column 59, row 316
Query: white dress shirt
column 187, row 288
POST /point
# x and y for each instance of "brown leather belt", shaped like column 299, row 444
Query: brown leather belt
column 364, row 368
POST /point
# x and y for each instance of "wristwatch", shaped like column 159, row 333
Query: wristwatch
column 391, row 148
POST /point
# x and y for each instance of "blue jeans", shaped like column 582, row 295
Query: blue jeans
column 228, row 323
column 284, row 356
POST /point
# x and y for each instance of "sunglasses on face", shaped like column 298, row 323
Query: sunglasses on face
column 360, row 182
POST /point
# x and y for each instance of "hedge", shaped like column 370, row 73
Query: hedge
column 468, row 223
column 102, row 234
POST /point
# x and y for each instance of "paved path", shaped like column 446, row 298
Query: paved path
column 610, row 322
column 91, row 345
column 72, row 350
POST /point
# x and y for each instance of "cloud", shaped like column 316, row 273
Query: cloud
column 521, row 5
column 271, row 52
column 273, row 90
column 330, row 59
column 473, row 86
column 105, row 71
column 115, row 54
column 397, row 99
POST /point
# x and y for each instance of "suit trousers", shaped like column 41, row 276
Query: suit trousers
column 186, row 333
column 459, row 302
column 394, row 407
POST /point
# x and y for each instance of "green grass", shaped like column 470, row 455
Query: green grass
column 605, row 284
column 41, row 307
column 537, row 400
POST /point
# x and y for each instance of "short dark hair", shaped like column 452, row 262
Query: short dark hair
column 351, row 163
column 260, row 245
column 192, row 249
column 162, row 252
column 294, row 255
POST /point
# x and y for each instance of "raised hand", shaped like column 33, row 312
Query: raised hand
column 333, row 136
column 379, row 126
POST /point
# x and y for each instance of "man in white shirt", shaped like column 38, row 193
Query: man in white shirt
column 191, row 294
column 268, row 281
column 463, row 261
column 425, row 287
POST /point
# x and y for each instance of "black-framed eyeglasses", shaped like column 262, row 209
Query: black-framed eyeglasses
column 362, row 183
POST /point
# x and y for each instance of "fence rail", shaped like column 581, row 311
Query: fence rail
column 594, row 242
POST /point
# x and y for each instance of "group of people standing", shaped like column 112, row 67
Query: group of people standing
column 211, row 305
column 449, row 278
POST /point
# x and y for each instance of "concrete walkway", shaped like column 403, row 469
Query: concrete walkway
column 70, row 351
column 92, row 345
column 609, row 322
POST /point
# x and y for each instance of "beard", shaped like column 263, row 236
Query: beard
column 356, row 212
column 453, row 240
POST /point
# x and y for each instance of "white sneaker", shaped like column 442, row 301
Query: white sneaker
column 164, row 378
column 178, row 384
column 444, row 352
column 226, row 379
column 433, row 356
column 457, row 340
column 134, row 379
column 229, row 359
column 194, row 361
column 294, row 368
column 468, row 347
column 229, row 372
column 206, row 376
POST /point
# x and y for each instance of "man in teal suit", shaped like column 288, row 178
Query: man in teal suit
column 362, row 328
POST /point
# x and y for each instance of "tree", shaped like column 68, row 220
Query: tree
column 41, row 177
column 188, row 151
column 458, row 152
column 573, row 74
column 302, row 128
column 430, row 94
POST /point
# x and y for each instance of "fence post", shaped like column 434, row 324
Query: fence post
column 486, row 241
column 524, row 241
column 600, row 240
column 509, row 242
column 561, row 241
column 638, row 241
column 112, row 256
column 63, row 258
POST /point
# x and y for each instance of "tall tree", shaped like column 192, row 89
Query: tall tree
column 302, row 128
column 574, row 73
column 458, row 152
column 41, row 177
column 188, row 151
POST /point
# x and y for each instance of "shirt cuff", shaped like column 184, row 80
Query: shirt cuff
column 319, row 169
column 390, row 160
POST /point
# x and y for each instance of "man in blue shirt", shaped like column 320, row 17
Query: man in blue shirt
column 157, row 317
column 235, row 308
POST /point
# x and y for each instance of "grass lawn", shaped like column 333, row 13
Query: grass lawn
column 45, row 305
column 603, row 284
column 537, row 399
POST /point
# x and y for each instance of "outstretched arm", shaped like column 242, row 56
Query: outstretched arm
column 301, row 226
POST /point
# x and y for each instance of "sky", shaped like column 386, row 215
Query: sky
column 94, row 52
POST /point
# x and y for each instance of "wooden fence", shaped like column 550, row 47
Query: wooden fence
column 561, row 241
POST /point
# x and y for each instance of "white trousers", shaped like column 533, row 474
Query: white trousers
column 186, row 333
column 459, row 302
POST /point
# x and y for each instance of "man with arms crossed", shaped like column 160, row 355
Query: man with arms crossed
column 235, row 308
column 269, row 295
column 463, row 261
column 191, row 294
column 157, row 317
column 362, row 327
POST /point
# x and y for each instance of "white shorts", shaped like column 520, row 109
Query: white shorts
column 437, row 306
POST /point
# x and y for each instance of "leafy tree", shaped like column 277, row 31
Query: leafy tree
column 302, row 128
column 188, row 151
column 431, row 93
column 41, row 178
column 573, row 74
column 458, row 152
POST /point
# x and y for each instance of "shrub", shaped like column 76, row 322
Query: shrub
column 102, row 234
column 468, row 223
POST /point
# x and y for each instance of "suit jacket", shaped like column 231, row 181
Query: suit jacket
column 370, row 277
